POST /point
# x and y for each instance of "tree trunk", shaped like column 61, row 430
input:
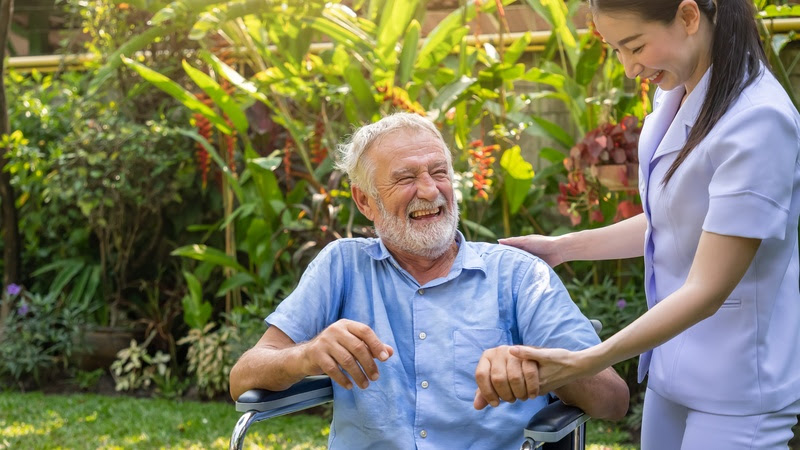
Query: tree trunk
column 10, row 232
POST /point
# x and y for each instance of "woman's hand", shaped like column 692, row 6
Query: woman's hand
column 544, row 247
column 557, row 367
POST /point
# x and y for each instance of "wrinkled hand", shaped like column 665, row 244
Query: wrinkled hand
column 346, row 347
column 544, row 247
column 500, row 375
column 557, row 367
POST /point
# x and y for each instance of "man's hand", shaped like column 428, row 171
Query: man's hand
column 346, row 346
column 500, row 375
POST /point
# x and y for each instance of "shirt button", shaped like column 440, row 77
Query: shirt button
column 421, row 291
column 423, row 434
column 423, row 335
column 424, row 385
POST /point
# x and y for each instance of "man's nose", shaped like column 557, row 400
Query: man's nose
column 426, row 188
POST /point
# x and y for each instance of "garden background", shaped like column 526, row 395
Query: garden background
column 166, row 179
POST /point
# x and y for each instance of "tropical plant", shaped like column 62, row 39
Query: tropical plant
column 210, row 357
column 136, row 368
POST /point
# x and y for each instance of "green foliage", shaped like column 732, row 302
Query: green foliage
column 122, row 177
column 136, row 368
column 615, row 301
column 38, row 337
column 42, row 109
column 210, row 357
column 87, row 379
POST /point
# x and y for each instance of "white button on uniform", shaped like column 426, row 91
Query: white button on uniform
column 423, row 433
column 424, row 385
column 421, row 291
column 423, row 335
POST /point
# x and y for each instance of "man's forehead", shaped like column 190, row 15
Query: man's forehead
column 400, row 142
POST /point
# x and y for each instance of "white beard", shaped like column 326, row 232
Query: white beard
column 429, row 240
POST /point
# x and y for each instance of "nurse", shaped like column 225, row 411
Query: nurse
column 719, row 182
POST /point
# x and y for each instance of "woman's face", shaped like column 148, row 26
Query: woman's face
column 669, row 55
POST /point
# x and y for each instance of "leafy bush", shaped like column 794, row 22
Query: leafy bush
column 210, row 357
column 135, row 368
column 38, row 336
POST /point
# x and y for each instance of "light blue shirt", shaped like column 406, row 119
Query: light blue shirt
column 742, row 180
column 494, row 295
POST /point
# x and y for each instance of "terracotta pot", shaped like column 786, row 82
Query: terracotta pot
column 617, row 177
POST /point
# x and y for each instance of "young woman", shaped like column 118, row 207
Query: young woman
column 720, row 187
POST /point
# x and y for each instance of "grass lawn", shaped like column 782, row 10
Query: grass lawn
column 36, row 420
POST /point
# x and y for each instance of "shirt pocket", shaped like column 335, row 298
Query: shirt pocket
column 468, row 346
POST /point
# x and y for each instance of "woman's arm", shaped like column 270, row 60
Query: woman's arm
column 719, row 265
column 621, row 240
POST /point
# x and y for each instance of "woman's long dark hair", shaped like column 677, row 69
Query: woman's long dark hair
column 736, row 55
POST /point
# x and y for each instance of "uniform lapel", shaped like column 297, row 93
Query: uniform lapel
column 679, row 129
column 656, row 126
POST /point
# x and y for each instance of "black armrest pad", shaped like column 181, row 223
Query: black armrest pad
column 554, row 417
column 307, row 384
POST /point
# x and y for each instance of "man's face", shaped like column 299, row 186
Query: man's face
column 416, row 211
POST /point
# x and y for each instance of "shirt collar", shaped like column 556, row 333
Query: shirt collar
column 466, row 258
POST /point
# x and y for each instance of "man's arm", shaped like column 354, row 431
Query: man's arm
column 276, row 362
column 602, row 396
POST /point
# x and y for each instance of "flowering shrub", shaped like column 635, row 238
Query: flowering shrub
column 38, row 335
column 604, row 160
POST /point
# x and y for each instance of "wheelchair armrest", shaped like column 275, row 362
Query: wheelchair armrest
column 310, row 391
column 554, row 421
column 261, row 404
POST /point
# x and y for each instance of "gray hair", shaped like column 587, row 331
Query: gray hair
column 351, row 154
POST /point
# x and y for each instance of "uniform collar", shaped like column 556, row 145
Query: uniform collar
column 684, row 119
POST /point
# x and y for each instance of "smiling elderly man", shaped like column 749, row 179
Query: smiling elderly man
column 414, row 327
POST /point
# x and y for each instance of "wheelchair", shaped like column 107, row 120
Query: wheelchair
column 555, row 427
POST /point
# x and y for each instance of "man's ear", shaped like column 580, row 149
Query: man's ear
column 689, row 14
column 362, row 200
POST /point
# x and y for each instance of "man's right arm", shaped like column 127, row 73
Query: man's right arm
column 276, row 362
column 273, row 364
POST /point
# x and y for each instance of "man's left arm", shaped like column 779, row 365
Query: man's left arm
column 602, row 396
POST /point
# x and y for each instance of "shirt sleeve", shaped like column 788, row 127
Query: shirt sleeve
column 754, row 159
column 317, row 300
column 546, row 314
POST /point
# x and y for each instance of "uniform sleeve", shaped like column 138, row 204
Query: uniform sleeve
column 754, row 160
column 547, row 316
column 317, row 300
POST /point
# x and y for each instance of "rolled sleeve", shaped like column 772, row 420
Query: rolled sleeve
column 754, row 161
column 316, row 301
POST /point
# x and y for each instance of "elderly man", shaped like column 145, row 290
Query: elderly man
column 415, row 327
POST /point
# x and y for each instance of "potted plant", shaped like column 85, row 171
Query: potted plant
column 604, row 161
column 610, row 154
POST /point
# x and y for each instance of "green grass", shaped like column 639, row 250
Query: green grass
column 35, row 420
